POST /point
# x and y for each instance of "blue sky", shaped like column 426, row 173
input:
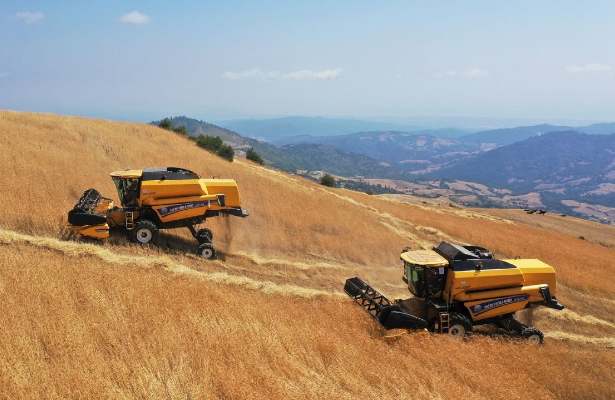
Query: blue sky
column 140, row 60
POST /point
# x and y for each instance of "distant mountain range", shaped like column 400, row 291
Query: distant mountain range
column 406, row 151
column 501, row 137
column 293, row 157
column 299, row 129
column 278, row 130
column 545, row 165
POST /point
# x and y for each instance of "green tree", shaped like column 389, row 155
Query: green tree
column 327, row 180
column 225, row 151
column 211, row 143
column 215, row 145
column 181, row 130
column 165, row 124
column 254, row 156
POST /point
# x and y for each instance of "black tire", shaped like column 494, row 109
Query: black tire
column 207, row 251
column 144, row 232
column 204, row 235
column 533, row 335
column 459, row 325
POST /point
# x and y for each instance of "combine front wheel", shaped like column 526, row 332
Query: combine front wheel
column 459, row 326
column 144, row 232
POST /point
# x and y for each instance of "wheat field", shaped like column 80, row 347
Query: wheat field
column 113, row 320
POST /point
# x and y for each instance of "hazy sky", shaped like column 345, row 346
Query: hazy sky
column 143, row 59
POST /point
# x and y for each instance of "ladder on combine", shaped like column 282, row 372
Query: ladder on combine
column 130, row 220
column 444, row 322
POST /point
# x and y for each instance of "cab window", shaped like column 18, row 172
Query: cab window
column 127, row 191
column 416, row 279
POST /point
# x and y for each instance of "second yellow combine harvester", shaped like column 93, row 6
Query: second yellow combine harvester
column 457, row 287
column 157, row 198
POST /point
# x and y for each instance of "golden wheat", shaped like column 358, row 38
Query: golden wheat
column 116, row 321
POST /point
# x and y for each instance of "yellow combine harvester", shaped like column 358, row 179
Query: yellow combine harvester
column 458, row 287
column 157, row 198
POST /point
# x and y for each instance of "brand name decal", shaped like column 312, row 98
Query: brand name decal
column 490, row 305
column 164, row 211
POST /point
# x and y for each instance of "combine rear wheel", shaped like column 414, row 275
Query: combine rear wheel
column 207, row 251
column 144, row 232
column 459, row 325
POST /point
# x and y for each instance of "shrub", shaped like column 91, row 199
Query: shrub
column 165, row 124
column 225, row 151
column 211, row 143
column 254, row 156
column 215, row 145
column 327, row 180
column 181, row 130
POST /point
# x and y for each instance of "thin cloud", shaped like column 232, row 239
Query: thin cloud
column 30, row 17
column 468, row 73
column 135, row 18
column 589, row 68
column 300, row 75
column 253, row 73
column 309, row 75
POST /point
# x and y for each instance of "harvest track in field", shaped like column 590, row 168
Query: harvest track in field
column 76, row 249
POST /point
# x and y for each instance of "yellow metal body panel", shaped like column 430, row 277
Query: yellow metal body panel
column 187, row 190
column 426, row 258
column 493, row 292
column 93, row 231
column 159, row 192
column 462, row 282
column 227, row 187
column 175, row 200
column 536, row 272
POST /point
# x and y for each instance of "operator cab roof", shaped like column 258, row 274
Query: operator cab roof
column 157, row 173
column 426, row 258
column 127, row 173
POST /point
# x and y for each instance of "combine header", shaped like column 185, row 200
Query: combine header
column 157, row 198
column 457, row 287
column 389, row 315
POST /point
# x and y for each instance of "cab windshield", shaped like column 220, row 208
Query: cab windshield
column 425, row 281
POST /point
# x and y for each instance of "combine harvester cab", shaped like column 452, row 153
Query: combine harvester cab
column 458, row 287
column 154, row 199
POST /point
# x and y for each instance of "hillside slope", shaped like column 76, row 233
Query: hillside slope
column 116, row 320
